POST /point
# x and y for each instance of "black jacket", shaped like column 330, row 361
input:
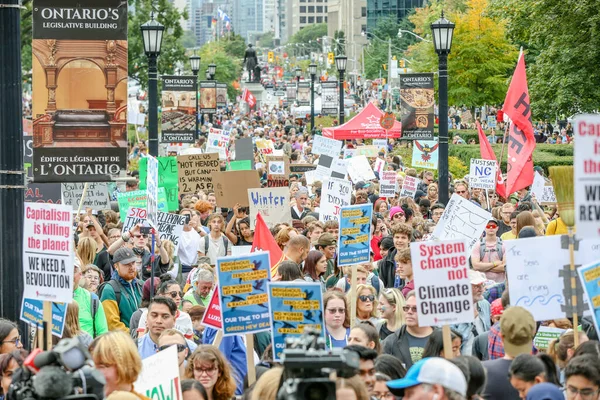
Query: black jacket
column 397, row 345
column 387, row 269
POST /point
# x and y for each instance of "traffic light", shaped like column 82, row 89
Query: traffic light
column 330, row 59
column 384, row 67
column 402, row 64
column 271, row 57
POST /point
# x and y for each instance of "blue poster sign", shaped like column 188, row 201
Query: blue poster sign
column 294, row 306
column 590, row 278
column 491, row 120
column 355, row 235
column 243, row 293
column 32, row 312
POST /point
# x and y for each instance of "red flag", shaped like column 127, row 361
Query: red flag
column 521, row 141
column 249, row 98
column 264, row 241
column 488, row 154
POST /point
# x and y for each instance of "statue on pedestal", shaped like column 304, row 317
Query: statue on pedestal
column 251, row 61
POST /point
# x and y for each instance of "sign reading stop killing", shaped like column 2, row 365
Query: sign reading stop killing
column 48, row 252
column 442, row 286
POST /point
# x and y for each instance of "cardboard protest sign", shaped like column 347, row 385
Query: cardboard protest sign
column 293, row 307
column 231, row 187
column 381, row 145
column 195, row 172
column 96, row 197
column 387, row 184
column 589, row 275
column 587, row 175
column 244, row 150
column 48, row 252
column 167, row 178
column 409, row 186
column 152, row 191
column 482, row 174
column 137, row 198
column 159, row 378
column 212, row 315
column 462, row 220
column 425, row 154
column 545, row 335
column 335, row 195
column 32, row 312
column 241, row 165
column 355, row 234
column 169, row 226
column 327, row 146
column 272, row 203
column 537, row 269
column 359, row 169
column 367, row 151
column 243, row 293
column 278, row 171
column 218, row 142
column 442, row 286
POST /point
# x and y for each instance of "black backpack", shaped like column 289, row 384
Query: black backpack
column 95, row 304
column 116, row 285
column 207, row 243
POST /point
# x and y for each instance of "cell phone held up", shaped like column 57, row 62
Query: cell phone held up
column 145, row 230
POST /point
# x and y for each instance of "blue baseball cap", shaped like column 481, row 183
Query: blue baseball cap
column 432, row 371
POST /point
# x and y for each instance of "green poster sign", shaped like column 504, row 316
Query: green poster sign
column 240, row 165
column 138, row 199
column 167, row 178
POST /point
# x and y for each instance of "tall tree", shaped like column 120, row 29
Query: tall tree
column 310, row 36
column 228, row 67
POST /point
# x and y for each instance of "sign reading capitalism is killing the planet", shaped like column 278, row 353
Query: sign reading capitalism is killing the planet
column 79, row 95
column 179, row 109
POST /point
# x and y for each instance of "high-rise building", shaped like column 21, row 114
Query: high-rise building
column 350, row 17
column 248, row 18
column 302, row 13
column 377, row 9
column 202, row 13
column 269, row 15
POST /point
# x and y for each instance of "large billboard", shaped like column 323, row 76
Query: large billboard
column 79, row 90
column 416, row 102
column 178, row 121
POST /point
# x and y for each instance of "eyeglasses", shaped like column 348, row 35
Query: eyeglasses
column 398, row 215
column 461, row 191
column 174, row 294
column 412, row 309
column 207, row 371
column 180, row 347
column 336, row 310
column 367, row 298
column 491, row 226
column 140, row 236
column 572, row 392
column 115, row 237
column 16, row 341
column 384, row 396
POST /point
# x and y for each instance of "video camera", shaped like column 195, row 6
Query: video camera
column 66, row 372
column 308, row 366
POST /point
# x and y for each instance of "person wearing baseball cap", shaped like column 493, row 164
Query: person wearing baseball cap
column 488, row 255
column 517, row 328
column 431, row 379
column 481, row 323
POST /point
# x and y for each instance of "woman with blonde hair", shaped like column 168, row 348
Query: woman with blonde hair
column 117, row 357
column 86, row 251
column 72, row 328
column 267, row 385
column 208, row 366
column 391, row 302
column 366, row 305
column 525, row 218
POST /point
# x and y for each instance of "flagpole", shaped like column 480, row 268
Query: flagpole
column 503, row 146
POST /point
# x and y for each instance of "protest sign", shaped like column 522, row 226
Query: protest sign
column 48, row 252
column 491, row 120
column 152, row 191
column 195, row 172
column 244, row 150
column 367, row 151
column 96, row 197
column 381, row 145
column 379, row 166
column 543, row 193
column 587, row 175
column 137, row 198
column 160, row 378
column 409, row 187
column 336, row 194
column 537, row 269
column 243, row 293
column 43, row 193
column 169, row 226
column 589, row 275
column 545, row 335
column 167, row 178
column 359, row 169
column 442, row 286
column 482, row 174
column 212, row 315
column 302, row 168
column 330, row 167
column 355, row 234
column 231, row 187
column 264, row 146
column 278, row 171
column 272, row 203
column 425, row 154
column 462, row 220
column 387, row 184
column 241, row 250
column 349, row 153
column 241, row 165
column 293, row 307
column 218, row 142
column 326, row 146
column 32, row 312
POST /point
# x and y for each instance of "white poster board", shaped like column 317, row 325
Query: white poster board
column 96, row 197
column 160, row 376
column 359, row 169
column 327, row 146
column 387, row 184
column 462, row 220
column 152, row 190
column 272, row 203
column 379, row 166
column 381, row 145
column 48, row 252
column 482, row 174
column 587, row 191
column 543, row 193
column 442, row 286
column 409, row 186
column 218, row 142
column 170, row 226
column 335, row 194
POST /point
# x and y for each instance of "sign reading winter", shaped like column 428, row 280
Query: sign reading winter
column 482, row 174
column 272, row 203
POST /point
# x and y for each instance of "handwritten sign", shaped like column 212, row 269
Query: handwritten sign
column 409, row 187
column 159, row 378
column 442, row 285
column 381, row 145
column 96, row 196
column 169, row 226
column 217, row 142
column 379, row 166
column 359, row 169
column 278, row 171
column 152, row 190
column 48, row 252
column 387, row 184
column 462, row 220
column 335, row 195
column 195, row 172
column 355, row 234
column 327, row 146
column 167, row 179
column 32, row 312
column 293, row 307
column 543, row 193
column 243, row 293
column 589, row 275
column 137, row 198
column 265, row 146
column 272, row 203
column 587, row 175
column 482, row 174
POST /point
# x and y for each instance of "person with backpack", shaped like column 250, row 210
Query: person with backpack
column 215, row 244
column 91, row 312
column 488, row 256
column 122, row 295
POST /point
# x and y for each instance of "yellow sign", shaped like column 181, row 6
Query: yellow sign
column 271, row 57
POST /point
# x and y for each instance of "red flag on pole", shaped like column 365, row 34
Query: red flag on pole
column 521, row 141
column 488, row 154
column 249, row 98
column 264, row 241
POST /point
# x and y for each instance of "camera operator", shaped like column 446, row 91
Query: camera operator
column 9, row 363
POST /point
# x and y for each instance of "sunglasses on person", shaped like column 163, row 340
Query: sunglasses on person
column 491, row 226
column 409, row 308
column 461, row 191
column 180, row 347
column 140, row 236
column 336, row 310
column 174, row 294
column 367, row 298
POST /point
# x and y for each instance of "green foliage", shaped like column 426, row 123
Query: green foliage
column 188, row 39
column 339, row 44
column 267, row 40
column 234, row 45
column 26, row 40
column 308, row 36
column 229, row 66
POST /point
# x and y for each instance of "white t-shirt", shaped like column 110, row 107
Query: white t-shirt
column 216, row 248
column 189, row 243
column 183, row 323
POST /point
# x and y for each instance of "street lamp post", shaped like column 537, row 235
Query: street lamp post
column 312, row 69
column 195, row 64
column 212, row 69
column 152, row 34
column 442, row 30
column 340, row 63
